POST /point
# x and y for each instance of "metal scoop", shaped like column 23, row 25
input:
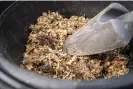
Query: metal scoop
column 112, row 28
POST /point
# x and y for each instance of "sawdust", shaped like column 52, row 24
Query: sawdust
column 44, row 52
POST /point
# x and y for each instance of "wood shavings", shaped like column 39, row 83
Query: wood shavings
column 44, row 52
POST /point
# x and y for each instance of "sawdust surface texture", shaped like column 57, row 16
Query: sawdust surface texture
column 44, row 52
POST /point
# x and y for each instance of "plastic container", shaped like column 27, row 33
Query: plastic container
column 14, row 31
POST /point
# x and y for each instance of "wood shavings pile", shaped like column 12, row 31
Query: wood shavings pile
column 44, row 52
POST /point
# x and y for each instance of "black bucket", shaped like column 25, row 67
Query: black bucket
column 14, row 31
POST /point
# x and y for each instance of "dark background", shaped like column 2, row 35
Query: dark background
column 4, row 5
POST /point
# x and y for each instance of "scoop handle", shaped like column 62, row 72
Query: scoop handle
column 124, row 26
column 112, row 11
column 128, row 17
